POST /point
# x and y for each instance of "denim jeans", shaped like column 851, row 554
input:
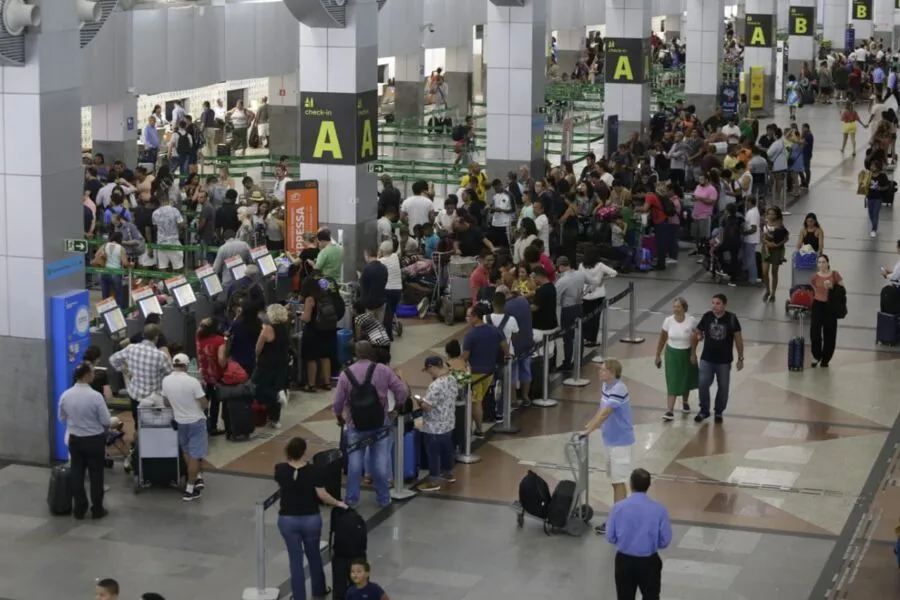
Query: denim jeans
column 393, row 298
column 874, row 206
column 750, row 262
column 381, row 458
column 370, row 461
column 441, row 456
column 111, row 285
column 301, row 537
column 722, row 375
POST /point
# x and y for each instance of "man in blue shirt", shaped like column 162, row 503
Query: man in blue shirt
column 482, row 346
column 617, row 428
column 639, row 527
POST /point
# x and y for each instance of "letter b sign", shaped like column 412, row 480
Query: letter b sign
column 802, row 21
column 862, row 10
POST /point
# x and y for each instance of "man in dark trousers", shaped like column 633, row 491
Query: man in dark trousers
column 639, row 527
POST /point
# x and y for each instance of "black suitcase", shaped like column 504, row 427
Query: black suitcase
column 240, row 419
column 223, row 150
column 534, row 495
column 59, row 493
column 561, row 504
column 348, row 537
column 887, row 331
column 158, row 472
column 890, row 299
column 796, row 354
column 329, row 464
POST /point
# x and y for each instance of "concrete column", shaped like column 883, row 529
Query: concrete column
column 801, row 28
column 338, row 126
column 896, row 27
column 283, row 114
column 570, row 43
column 884, row 21
column 114, row 130
column 459, row 79
column 40, row 141
column 515, row 57
column 705, row 25
column 759, row 49
column 740, row 18
column 834, row 23
column 782, row 12
column 626, row 72
column 673, row 27
column 861, row 16
column 409, row 86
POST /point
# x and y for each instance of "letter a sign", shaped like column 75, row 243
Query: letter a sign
column 626, row 60
column 861, row 10
column 760, row 31
column 802, row 21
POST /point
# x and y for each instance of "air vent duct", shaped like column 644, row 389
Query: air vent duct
column 88, row 12
column 15, row 17
column 99, row 10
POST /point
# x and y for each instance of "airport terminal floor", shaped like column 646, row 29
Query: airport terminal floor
column 768, row 505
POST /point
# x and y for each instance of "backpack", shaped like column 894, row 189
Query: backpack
column 459, row 132
column 349, row 536
column 326, row 313
column 366, row 409
column 837, row 301
column 183, row 145
column 199, row 138
column 668, row 206
column 644, row 259
column 534, row 495
column 863, row 182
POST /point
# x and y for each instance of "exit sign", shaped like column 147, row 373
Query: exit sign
column 75, row 246
column 376, row 168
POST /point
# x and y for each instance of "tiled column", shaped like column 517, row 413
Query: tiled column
column 673, row 27
column 569, row 44
column 40, row 106
column 740, row 18
column 884, row 20
column 861, row 15
column 834, row 23
column 338, row 97
column 515, row 57
column 759, row 49
column 409, row 86
column 114, row 130
column 627, row 72
column 801, row 28
column 283, row 115
column 705, row 27
column 458, row 77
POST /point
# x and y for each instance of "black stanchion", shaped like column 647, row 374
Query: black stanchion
column 466, row 457
column 576, row 380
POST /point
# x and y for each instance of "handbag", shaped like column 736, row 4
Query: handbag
column 231, row 393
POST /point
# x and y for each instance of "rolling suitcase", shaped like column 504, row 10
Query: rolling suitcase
column 348, row 540
column 887, row 331
column 59, row 494
column 260, row 416
column 329, row 464
column 240, row 419
column 561, row 504
column 797, row 346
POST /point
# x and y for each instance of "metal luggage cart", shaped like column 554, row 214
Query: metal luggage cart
column 799, row 276
column 457, row 290
column 156, row 438
column 580, row 511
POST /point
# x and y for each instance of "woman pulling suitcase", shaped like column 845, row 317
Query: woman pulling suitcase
column 823, row 326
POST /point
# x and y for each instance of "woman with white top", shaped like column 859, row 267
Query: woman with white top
column 527, row 233
column 240, row 119
column 112, row 255
column 594, row 295
column 393, row 291
column 675, row 340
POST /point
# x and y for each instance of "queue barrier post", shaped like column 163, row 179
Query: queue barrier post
column 604, row 335
column 576, row 380
column 506, row 427
column 632, row 338
column 545, row 401
column 130, row 285
column 466, row 457
column 260, row 591
column 400, row 492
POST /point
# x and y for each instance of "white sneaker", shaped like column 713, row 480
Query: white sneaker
column 671, row 261
column 873, row 234
column 282, row 398
column 275, row 424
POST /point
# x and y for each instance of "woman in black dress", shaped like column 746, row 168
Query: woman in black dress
column 319, row 342
column 272, row 351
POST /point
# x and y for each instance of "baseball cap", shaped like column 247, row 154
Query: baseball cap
column 181, row 360
column 433, row 361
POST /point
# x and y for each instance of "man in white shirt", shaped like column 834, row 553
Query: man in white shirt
column 104, row 195
column 178, row 112
column 385, row 225
column 447, row 216
column 281, row 181
column 502, row 213
column 418, row 209
column 751, row 238
column 184, row 394
column 542, row 223
column 732, row 131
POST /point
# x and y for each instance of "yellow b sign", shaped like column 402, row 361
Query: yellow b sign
column 802, row 21
column 861, row 10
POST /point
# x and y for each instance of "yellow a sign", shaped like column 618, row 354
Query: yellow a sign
column 367, row 142
column 760, row 31
column 623, row 70
column 758, row 38
column 626, row 61
column 327, row 141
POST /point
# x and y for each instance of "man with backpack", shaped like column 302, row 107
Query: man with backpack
column 361, row 408
column 180, row 147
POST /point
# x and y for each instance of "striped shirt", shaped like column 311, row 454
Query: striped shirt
column 373, row 330
column 618, row 428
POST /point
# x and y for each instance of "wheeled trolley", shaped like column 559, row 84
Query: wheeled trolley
column 156, row 443
column 803, row 267
column 567, row 510
column 457, row 290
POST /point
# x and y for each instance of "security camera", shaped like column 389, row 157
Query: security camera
column 429, row 27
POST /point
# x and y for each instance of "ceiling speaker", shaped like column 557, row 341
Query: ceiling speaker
column 88, row 12
column 17, row 16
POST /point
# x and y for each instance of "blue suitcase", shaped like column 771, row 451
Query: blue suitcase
column 411, row 451
column 887, row 331
column 796, row 354
column 344, row 338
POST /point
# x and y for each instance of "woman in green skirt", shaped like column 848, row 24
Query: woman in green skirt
column 675, row 341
